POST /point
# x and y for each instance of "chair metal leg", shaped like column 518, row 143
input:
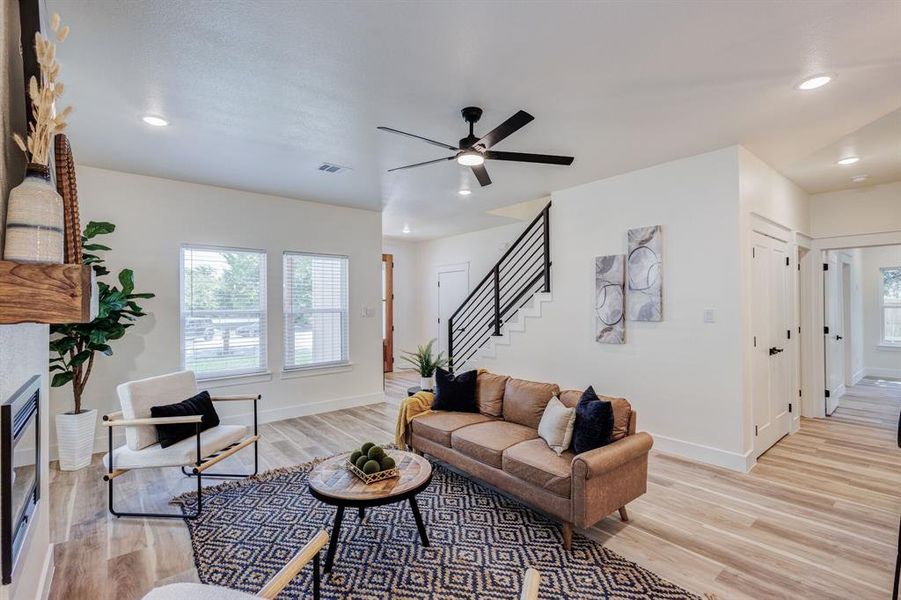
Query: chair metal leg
column 316, row 577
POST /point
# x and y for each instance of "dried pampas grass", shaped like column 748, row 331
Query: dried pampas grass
column 44, row 94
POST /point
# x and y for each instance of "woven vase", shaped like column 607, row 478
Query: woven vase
column 34, row 220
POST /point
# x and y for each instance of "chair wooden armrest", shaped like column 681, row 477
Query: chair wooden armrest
column 114, row 416
column 281, row 579
column 152, row 421
column 236, row 397
column 530, row 585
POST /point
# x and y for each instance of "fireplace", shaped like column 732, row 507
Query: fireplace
column 19, row 472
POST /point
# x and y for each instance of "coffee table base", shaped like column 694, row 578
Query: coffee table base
column 339, row 517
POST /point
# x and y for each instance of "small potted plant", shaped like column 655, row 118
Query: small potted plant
column 425, row 361
column 73, row 348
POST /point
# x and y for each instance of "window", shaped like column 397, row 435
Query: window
column 315, row 297
column 223, row 311
column 890, row 299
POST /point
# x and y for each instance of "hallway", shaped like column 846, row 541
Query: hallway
column 873, row 401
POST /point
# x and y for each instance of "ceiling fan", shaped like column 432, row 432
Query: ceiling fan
column 473, row 152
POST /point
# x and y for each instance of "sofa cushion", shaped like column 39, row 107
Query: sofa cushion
column 486, row 442
column 438, row 426
column 534, row 462
column 455, row 392
column 556, row 427
column 524, row 401
column 490, row 393
column 183, row 453
column 622, row 411
column 594, row 422
column 138, row 397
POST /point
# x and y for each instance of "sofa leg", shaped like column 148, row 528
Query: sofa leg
column 567, row 536
column 623, row 514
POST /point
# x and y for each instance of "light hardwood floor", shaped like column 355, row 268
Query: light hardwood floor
column 816, row 518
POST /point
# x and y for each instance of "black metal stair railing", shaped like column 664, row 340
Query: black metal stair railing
column 523, row 271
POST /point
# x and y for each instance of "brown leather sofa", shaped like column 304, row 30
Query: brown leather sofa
column 500, row 446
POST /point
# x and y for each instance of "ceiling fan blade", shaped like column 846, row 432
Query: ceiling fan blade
column 548, row 159
column 481, row 174
column 509, row 126
column 428, row 162
column 418, row 137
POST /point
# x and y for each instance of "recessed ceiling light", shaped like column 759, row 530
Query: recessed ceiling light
column 817, row 81
column 406, row 228
column 859, row 178
column 465, row 192
column 848, row 160
column 155, row 121
column 470, row 158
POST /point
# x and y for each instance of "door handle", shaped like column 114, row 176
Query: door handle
column 775, row 350
column 838, row 337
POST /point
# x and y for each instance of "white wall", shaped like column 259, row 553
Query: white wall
column 871, row 209
column 23, row 348
column 479, row 249
column 774, row 205
column 155, row 216
column 880, row 361
column 406, row 296
column 682, row 376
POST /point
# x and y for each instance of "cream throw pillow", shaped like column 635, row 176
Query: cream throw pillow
column 556, row 426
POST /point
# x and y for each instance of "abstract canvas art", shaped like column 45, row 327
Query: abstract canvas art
column 645, row 274
column 608, row 305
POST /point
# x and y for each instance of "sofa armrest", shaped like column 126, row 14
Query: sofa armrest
column 607, row 458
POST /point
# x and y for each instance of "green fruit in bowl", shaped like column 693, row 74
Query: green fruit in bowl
column 361, row 462
column 365, row 447
column 376, row 453
column 387, row 463
column 371, row 467
column 354, row 456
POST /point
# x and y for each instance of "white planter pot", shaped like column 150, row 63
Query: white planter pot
column 427, row 383
column 75, row 439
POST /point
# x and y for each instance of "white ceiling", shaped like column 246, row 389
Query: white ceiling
column 260, row 93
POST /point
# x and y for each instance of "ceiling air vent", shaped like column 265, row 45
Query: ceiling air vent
column 330, row 168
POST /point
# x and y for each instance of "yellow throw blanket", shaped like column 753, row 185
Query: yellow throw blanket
column 419, row 403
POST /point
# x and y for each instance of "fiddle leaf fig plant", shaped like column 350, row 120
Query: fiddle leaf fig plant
column 74, row 346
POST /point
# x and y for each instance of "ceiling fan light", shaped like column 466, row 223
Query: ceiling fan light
column 470, row 158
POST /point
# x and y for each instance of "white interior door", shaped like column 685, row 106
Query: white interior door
column 453, row 286
column 771, row 322
column 833, row 339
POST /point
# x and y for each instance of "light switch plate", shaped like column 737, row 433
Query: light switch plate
column 709, row 315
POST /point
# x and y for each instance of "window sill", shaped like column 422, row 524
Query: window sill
column 889, row 347
column 215, row 382
column 316, row 371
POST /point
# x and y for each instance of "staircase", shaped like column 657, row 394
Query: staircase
column 512, row 290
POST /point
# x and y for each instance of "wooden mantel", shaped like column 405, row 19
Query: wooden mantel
column 41, row 293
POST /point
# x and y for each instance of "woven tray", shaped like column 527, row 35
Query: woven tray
column 367, row 479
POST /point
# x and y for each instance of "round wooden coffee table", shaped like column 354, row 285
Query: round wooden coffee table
column 332, row 483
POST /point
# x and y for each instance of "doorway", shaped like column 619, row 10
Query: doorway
column 388, row 312
column 771, row 324
column 453, row 286
column 838, row 330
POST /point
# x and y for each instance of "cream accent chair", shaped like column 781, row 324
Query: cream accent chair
column 142, row 449
column 199, row 591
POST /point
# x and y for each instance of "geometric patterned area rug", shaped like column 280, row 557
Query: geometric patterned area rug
column 481, row 544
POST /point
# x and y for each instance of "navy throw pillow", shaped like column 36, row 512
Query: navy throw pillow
column 594, row 422
column 455, row 392
column 201, row 404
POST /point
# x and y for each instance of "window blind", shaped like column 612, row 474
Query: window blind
column 223, row 311
column 315, row 304
column 891, row 305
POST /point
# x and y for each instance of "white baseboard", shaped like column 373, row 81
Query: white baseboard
column 706, row 454
column 265, row 416
column 47, row 574
column 878, row 372
column 855, row 379
column 839, row 391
